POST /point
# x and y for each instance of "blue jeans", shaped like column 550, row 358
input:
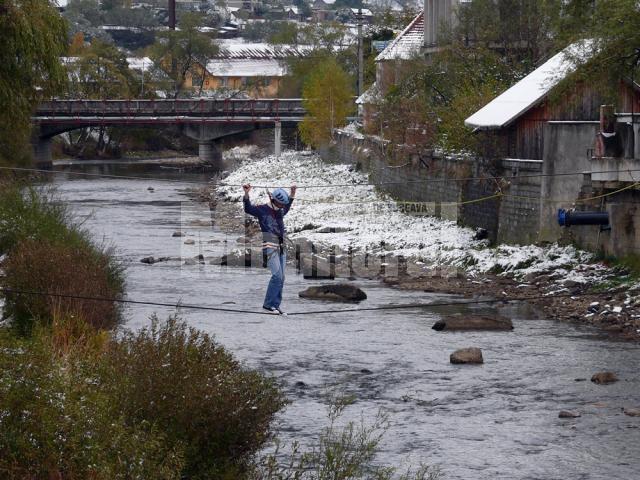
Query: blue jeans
column 276, row 260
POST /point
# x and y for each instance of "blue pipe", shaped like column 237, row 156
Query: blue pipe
column 567, row 218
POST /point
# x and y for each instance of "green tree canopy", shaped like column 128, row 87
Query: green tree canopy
column 184, row 51
column 33, row 38
column 328, row 98
column 100, row 71
column 613, row 26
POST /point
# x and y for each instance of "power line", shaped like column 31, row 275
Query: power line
column 325, row 185
column 306, row 312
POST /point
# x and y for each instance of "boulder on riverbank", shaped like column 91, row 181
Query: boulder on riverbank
column 604, row 378
column 340, row 292
column 471, row 355
column 457, row 323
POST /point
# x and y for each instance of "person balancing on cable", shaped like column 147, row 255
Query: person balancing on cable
column 271, row 219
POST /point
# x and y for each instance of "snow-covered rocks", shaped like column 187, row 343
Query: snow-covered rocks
column 336, row 206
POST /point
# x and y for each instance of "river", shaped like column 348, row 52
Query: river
column 498, row 420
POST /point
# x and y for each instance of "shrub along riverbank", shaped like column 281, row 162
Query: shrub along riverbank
column 82, row 398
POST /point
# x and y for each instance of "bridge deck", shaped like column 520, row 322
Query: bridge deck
column 170, row 111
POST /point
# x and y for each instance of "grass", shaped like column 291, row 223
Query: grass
column 47, row 251
column 627, row 269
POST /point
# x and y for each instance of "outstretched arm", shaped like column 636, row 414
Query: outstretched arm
column 292, row 197
column 248, row 208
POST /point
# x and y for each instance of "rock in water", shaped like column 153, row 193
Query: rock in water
column 569, row 414
column 632, row 412
column 190, row 241
column 604, row 378
column 470, row 355
column 341, row 292
column 472, row 322
column 152, row 260
column 178, row 234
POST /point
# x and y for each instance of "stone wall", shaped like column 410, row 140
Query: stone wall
column 443, row 181
column 532, row 190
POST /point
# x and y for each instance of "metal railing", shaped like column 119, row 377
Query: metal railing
column 179, row 110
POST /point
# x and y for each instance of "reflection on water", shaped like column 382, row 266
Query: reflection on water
column 498, row 420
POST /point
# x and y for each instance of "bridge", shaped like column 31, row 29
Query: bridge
column 204, row 120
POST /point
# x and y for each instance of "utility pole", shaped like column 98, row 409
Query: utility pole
column 360, row 54
column 172, row 14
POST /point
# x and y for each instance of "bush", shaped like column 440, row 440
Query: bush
column 55, row 423
column 47, row 252
column 41, row 266
column 164, row 403
column 346, row 453
column 196, row 393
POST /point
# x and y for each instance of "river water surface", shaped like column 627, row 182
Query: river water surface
column 498, row 420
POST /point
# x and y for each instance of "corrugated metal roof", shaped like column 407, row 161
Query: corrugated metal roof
column 407, row 43
column 261, row 50
column 246, row 68
column 531, row 90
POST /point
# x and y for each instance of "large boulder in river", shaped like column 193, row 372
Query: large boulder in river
column 604, row 378
column 340, row 292
column 457, row 323
column 470, row 355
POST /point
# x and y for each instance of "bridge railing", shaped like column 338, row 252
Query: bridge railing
column 268, row 107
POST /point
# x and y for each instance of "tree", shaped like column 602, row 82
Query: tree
column 328, row 99
column 523, row 31
column 329, row 41
column 183, row 52
column 613, row 27
column 33, row 38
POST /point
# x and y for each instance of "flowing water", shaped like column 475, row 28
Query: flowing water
column 498, row 420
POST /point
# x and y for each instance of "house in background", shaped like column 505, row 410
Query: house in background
column 256, row 69
column 565, row 128
column 390, row 69
column 322, row 11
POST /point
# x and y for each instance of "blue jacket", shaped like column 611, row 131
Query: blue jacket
column 271, row 221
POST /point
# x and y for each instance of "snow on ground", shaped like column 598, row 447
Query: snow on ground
column 367, row 220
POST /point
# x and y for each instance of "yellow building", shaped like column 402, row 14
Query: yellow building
column 257, row 69
column 257, row 78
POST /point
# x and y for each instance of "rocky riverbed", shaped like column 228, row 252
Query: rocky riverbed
column 330, row 232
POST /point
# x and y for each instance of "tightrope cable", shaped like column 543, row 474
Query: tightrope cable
column 310, row 186
column 409, row 306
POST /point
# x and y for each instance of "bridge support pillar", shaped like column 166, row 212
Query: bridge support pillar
column 42, row 153
column 210, row 153
column 278, row 139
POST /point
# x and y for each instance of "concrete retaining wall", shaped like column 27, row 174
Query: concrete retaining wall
column 441, row 180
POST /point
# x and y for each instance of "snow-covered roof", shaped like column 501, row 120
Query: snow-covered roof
column 529, row 91
column 407, row 43
column 246, row 68
column 370, row 96
column 235, row 49
column 140, row 63
column 394, row 5
column 365, row 11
